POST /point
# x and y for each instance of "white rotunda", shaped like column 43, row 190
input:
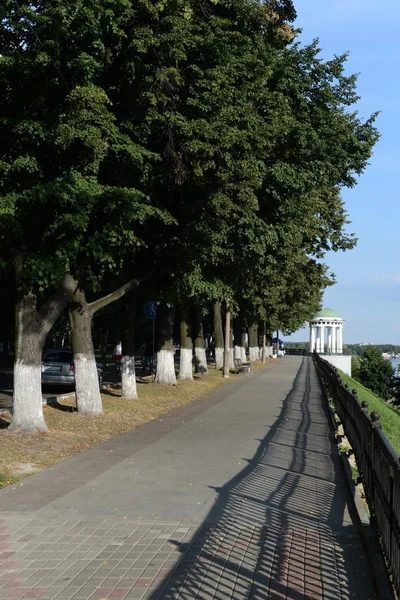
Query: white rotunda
column 326, row 337
column 329, row 322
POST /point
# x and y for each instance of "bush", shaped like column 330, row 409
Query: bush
column 376, row 373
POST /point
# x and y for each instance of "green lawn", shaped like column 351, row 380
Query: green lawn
column 7, row 479
column 390, row 418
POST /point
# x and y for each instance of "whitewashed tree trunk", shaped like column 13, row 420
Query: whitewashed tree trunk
column 231, row 358
column 186, row 364
column 219, row 358
column 128, row 367
column 253, row 342
column 28, row 405
column 201, row 361
column 227, row 353
column 186, row 352
column 88, row 398
column 219, row 341
column 128, row 378
column 244, row 357
column 31, row 329
column 165, row 367
column 253, row 353
column 87, row 389
column 238, row 352
column 28, row 411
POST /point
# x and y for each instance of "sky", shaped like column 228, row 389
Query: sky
column 367, row 292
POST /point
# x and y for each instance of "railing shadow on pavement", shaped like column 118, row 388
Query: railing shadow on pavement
column 276, row 529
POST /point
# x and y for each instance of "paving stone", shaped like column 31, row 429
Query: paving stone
column 238, row 495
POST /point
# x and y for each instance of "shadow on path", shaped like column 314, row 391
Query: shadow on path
column 281, row 528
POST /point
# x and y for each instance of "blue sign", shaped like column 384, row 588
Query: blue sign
column 150, row 310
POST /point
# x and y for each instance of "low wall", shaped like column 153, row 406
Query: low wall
column 342, row 362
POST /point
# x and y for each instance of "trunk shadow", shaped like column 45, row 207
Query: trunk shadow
column 54, row 403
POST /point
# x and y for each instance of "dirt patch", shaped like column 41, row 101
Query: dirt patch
column 70, row 433
column 23, row 469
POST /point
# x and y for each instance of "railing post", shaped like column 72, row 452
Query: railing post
column 375, row 419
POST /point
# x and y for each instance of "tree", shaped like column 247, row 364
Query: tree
column 72, row 180
column 376, row 373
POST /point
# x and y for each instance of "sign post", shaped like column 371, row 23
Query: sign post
column 150, row 310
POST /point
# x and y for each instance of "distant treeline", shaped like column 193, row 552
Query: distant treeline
column 355, row 348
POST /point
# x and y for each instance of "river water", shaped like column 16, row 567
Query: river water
column 395, row 362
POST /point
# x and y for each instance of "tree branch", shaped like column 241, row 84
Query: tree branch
column 96, row 305
column 53, row 307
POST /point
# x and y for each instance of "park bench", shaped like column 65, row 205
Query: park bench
column 242, row 367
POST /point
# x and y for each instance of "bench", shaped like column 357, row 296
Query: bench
column 242, row 367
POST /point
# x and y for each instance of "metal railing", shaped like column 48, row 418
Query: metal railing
column 377, row 462
column 296, row 351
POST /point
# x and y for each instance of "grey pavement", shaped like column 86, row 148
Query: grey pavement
column 239, row 494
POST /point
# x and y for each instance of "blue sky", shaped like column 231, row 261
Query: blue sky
column 367, row 293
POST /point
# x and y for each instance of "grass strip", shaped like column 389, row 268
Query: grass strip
column 390, row 417
column 71, row 433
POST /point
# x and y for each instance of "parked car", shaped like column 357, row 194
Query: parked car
column 58, row 368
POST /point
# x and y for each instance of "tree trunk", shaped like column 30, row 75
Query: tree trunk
column 231, row 351
column 186, row 343
column 240, row 340
column 218, row 337
column 28, row 405
column 200, row 359
column 32, row 327
column 227, row 343
column 164, row 344
column 264, row 343
column 88, row 398
column 128, row 374
column 253, row 342
column 243, row 341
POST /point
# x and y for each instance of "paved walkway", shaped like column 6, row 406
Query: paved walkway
column 237, row 495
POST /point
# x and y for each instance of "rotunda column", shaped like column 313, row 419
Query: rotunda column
column 330, row 329
column 322, row 338
column 317, row 342
column 340, row 341
column 312, row 340
column 334, row 339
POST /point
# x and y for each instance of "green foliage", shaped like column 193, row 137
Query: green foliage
column 355, row 366
column 74, row 182
column 376, row 373
column 192, row 133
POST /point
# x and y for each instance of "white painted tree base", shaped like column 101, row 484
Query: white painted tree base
column 128, row 378
column 244, row 357
column 231, row 358
column 88, row 399
column 201, row 361
column 28, row 405
column 165, row 367
column 186, row 365
column 254, row 353
column 237, row 352
column 219, row 358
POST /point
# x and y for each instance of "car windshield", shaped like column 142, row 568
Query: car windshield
column 57, row 356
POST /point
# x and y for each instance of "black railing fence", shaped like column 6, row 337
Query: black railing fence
column 377, row 462
column 296, row 351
